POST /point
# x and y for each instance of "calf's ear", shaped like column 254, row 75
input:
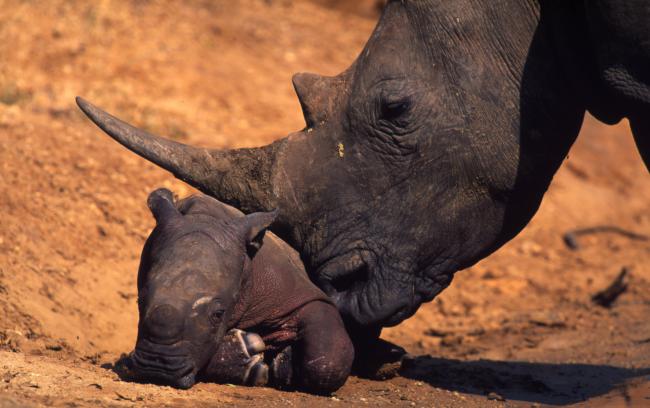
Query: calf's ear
column 256, row 225
column 161, row 204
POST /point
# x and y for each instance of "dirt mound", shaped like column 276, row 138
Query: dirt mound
column 74, row 217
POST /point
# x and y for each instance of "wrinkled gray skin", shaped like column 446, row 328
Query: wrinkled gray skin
column 435, row 147
column 216, row 302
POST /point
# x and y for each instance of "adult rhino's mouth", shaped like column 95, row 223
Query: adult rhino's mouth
column 363, row 296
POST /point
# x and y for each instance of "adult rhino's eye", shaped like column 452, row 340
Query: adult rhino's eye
column 394, row 110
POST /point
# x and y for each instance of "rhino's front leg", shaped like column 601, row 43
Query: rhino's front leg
column 239, row 360
column 322, row 356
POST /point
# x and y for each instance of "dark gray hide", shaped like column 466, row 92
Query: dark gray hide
column 435, row 147
column 197, row 281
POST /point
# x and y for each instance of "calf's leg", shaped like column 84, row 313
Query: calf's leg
column 323, row 354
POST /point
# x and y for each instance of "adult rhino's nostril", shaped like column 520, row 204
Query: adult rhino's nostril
column 347, row 273
column 164, row 322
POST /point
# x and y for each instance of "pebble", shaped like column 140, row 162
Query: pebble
column 493, row 396
column 8, row 376
column 54, row 347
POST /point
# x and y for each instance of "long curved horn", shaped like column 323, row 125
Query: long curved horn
column 240, row 177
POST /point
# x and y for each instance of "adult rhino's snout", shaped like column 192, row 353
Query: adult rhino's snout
column 366, row 291
column 164, row 323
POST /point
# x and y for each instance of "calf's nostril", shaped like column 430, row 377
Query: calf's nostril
column 164, row 322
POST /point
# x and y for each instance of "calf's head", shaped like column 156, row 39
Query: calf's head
column 190, row 274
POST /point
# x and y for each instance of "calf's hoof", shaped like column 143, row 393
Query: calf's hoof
column 282, row 369
column 239, row 360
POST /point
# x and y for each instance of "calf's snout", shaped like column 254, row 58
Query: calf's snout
column 163, row 364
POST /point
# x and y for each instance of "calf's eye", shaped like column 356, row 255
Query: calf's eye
column 216, row 316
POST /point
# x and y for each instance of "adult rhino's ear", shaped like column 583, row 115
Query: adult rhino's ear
column 256, row 225
column 161, row 204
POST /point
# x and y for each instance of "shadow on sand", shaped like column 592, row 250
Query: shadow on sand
column 554, row 384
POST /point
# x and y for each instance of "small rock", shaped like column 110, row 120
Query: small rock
column 54, row 347
column 547, row 319
column 493, row 396
column 531, row 248
column 451, row 341
column 121, row 397
column 8, row 376
column 437, row 333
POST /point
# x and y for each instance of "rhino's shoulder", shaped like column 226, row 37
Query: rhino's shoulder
column 280, row 279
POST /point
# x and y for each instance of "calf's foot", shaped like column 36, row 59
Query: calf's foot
column 239, row 360
column 282, row 369
column 324, row 354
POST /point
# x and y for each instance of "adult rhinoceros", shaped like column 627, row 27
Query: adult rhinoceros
column 435, row 147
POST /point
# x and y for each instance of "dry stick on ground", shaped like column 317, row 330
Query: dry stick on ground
column 606, row 297
column 571, row 237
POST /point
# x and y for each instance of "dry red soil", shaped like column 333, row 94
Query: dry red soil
column 519, row 326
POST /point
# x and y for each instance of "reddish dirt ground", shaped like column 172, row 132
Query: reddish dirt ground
column 519, row 326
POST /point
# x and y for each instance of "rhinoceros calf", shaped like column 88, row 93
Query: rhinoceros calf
column 203, row 273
